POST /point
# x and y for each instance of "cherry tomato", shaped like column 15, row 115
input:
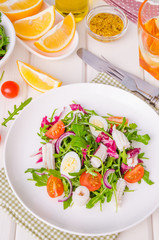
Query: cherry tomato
column 135, row 174
column 10, row 89
column 93, row 183
column 56, row 130
column 54, row 187
column 117, row 120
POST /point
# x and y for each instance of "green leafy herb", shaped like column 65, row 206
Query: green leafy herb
column 132, row 134
column 2, row 76
column 15, row 112
column 67, row 203
column 4, row 40
column 146, row 178
column 42, row 135
column 95, row 199
column 40, row 176
column 123, row 156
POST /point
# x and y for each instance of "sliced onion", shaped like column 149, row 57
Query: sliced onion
column 70, row 121
column 70, row 193
column 124, row 168
column 105, row 178
column 59, row 140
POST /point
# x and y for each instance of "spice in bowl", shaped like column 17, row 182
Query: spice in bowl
column 106, row 23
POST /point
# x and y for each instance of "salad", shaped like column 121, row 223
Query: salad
column 4, row 40
column 87, row 158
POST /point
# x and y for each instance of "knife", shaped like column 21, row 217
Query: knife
column 149, row 92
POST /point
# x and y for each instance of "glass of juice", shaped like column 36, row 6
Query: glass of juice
column 148, row 32
column 78, row 8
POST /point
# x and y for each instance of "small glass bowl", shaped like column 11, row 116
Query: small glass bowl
column 106, row 9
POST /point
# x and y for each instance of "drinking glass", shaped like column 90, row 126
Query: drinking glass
column 148, row 32
column 78, row 8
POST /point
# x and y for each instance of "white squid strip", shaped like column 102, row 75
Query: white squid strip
column 101, row 153
column 81, row 196
column 47, row 153
column 121, row 184
column 132, row 162
column 120, row 139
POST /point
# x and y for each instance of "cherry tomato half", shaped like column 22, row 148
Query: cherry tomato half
column 56, row 130
column 54, row 187
column 135, row 174
column 10, row 89
column 117, row 120
column 93, row 183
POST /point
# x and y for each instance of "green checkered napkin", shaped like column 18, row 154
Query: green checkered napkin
column 40, row 230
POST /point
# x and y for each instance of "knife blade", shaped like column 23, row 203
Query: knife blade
column 132, row 82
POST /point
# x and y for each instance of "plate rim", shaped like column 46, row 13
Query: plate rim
column 35, row 215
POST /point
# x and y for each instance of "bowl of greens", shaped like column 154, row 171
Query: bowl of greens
column 7, row 39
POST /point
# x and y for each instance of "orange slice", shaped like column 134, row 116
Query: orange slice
column 17, row 9
column 58, row 37
column 37, row 79
column 36, row 26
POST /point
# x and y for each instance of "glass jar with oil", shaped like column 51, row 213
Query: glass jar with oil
column 78, row 8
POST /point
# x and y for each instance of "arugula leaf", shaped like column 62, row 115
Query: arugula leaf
column 132, row 134
column 124, row 156
column 15, row 112
column 95, row 199
column 141, row 138
column 78, row 142
column 41, row 180
column 32, row 170
column 133, row 125
column 42, row 135
column 78, row 129
column 75, row 174
column 146, row 178
column 4, row 40
column 52, row 116
column 2, row 76
column 97, row 128
column 67, row 203
column 122, row 125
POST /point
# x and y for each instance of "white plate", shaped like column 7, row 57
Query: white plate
column 29, row 44
column 22, row 141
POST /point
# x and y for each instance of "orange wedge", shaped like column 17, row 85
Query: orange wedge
column 59, row 36
column 18, row 9
column 36, row 26
column 37, row 79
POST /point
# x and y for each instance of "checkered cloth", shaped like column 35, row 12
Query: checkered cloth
column 15, row 209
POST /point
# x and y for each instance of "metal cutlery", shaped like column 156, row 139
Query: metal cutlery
column 147, row 91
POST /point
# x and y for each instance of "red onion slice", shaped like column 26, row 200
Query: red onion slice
column 70, row 121
column 59, row 140
column 70, row 193
column 105, row 178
